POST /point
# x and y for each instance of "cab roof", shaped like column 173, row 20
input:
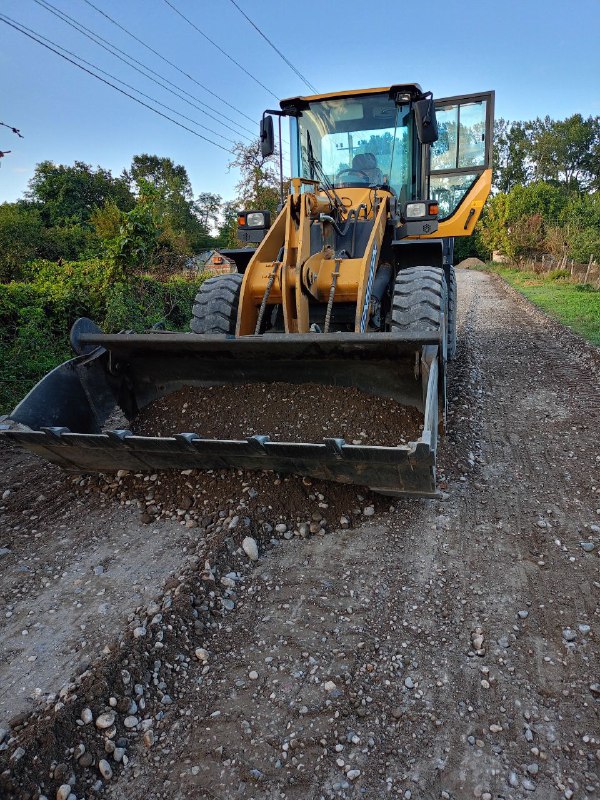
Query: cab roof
column 414, row 89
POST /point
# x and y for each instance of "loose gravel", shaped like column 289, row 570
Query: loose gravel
column 284, row 412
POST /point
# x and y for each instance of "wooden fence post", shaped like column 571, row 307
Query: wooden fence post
column 589, row 266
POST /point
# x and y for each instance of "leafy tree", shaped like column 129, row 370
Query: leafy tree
column 546, row 199
column 512, row 154
column 258, row 187
column 493, row 225
column 208, row 209
column 170, row 180
column 567, row 151
column 581, row 225
column 172, row 199
column 228, row 228
column 67, row 195
column 134, row 246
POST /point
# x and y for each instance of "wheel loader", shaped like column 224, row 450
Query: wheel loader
column 351, row 284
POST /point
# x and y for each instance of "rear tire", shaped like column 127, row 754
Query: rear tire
column 452, row 305
column 215, row 309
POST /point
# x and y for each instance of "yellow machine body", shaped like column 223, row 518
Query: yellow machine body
column 285, row 272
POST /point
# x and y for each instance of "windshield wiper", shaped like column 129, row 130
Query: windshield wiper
column 316, row 168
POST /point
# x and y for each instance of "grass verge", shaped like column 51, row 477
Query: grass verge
column 575, row 305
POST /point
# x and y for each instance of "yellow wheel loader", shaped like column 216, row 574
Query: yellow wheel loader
column 351, row 285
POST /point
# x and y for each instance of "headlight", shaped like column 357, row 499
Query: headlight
column 415, row 210
column 255, row 220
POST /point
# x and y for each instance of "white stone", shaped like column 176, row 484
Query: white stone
column 250, row 547
column 105, row 720
column 105, row 769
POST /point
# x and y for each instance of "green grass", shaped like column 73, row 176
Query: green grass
column 575, row 305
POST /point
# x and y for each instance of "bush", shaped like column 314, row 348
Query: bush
column 558, row 274
column 36, row 314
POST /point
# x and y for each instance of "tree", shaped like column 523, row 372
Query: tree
column 512, row 154
column 172, row 199
column 259, row 185
column 169, row 179
column 68, row 195
column 135, row 244
column 208, row 210
column 567, row 151
column 228, row 228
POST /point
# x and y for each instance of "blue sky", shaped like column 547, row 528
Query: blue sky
column 540, row 57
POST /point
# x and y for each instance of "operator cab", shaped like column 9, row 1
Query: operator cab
column 359, row 139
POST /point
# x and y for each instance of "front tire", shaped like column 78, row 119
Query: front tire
column 420, row 301
column 420, row 304
column 215, row 309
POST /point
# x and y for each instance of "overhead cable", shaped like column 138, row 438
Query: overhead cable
column 279, row 53
column 13, row 129
column 108, row 83
column 127, row 59
column 123, row 83
column 166, row 60
column 221, row 50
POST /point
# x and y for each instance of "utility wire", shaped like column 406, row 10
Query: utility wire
column 13, row 129
column 108, row 83
column 220, row 49
column 111, row 48
column 279, row 53
column 166, row 60
column 118, row 80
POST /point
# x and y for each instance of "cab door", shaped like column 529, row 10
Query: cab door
column 460, row 162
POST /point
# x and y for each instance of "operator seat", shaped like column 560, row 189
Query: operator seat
column 366, row 162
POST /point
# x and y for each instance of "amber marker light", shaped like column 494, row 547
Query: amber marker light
column 434, row 208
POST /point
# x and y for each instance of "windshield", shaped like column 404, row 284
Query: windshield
column 358, row 141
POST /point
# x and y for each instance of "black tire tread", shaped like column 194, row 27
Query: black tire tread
column 215, row 308
column 419, row 299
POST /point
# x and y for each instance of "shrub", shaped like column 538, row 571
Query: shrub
column 37, row 313
column 558, row 274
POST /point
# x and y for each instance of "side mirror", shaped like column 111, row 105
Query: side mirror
column 426, row 122
column 267, row 137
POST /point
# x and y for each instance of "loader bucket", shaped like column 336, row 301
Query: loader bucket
column 66, row 418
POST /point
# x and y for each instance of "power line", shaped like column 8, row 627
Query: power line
column 279, row 53
column 220, row 49
column 123, row 83
column 166, row 60
column 14, row 130
column 108, row 83
column 127, row 59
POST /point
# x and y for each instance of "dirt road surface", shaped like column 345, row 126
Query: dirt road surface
column 435, row 649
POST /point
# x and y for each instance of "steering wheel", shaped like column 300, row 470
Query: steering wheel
column 356, row 172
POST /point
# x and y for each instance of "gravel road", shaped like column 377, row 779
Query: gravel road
column 432, row 649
